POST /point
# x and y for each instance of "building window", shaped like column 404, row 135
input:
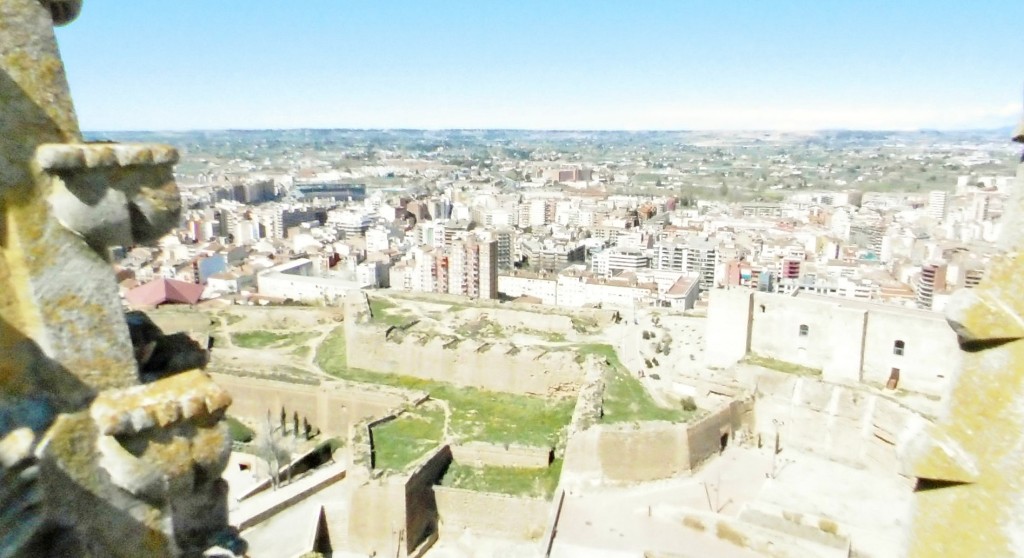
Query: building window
column 763, row 309
column 804, row 330
column 897, row 348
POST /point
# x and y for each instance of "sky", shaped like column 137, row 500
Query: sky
column 546, row 64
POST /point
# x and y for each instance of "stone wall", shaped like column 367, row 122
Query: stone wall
column 490, row 514
column 493, row 366
column 507, row 318
column 331, row 407
column 845, row 424
column 421, row 506
column 398, row 514
column 478, row 454
column 627, row 453
column 850, row 341
column 379, row 525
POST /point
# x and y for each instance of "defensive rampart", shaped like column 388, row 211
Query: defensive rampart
column 645, row 451
column 479, row 454
column 398, row 515
column 330, row 407
column 490, row 514
column 845, row 424
column 498, row 366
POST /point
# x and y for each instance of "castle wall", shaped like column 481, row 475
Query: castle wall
column 397, row 515
column 495, row 367
column 331, row 407
column 728, row 323
column 838, row 422
column 625, row 453
column 490, row 514
column 931, row 354
column 558, row 323
column 849, row 341
column 421, row 507
column 378, row 527
column 480, row 454
column 776, row 326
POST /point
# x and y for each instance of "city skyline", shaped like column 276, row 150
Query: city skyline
column 532, row 65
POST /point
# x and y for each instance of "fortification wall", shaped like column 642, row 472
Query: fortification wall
column 507, row 318
column 850, row 341
column 421, row 507
column 856, row 342
column 931, row 354
column 378, row 528
column 626, row 453
column 490, row 514
column 728, row 323
column 776, row 330
column 331, row 407
column 495, row 367
column 842, row 423
column 479, row 454
column 397, row 515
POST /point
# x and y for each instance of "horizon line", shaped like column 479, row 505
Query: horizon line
column 588, row 130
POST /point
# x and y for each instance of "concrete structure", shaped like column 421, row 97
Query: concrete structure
column 618, row 259
column 931, row 282
column 295, row 280
column 849, row 341
column 937, row 204
column 540, row 286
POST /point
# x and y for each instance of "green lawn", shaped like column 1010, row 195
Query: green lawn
column 625, row 398
column 480, row 328
column 238, row 431
column 330, row 354
column 515, row 481
column 266, row 339
column 384, row 312
column 476, row 414
column 402, row 441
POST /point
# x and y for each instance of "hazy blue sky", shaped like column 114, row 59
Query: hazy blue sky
column 592, row 64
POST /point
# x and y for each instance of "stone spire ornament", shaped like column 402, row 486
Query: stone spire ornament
column 93, row 462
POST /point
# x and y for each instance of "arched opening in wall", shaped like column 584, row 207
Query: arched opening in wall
column 723, row 442
column 894, row 379
column 804, row 330
column 763, row 309
column 897, row 347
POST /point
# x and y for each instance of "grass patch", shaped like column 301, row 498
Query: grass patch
column 625, row 398
column 330, row 353
column 552, row 336
column 302, row 351
column 230, row 319
column 238, row 431
column 267, row 339
column 476, row 414
column 384, row 312
column 400, row 442
column 584, row 325
column 480, row 328
column 780, row 365
column 514, row 481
